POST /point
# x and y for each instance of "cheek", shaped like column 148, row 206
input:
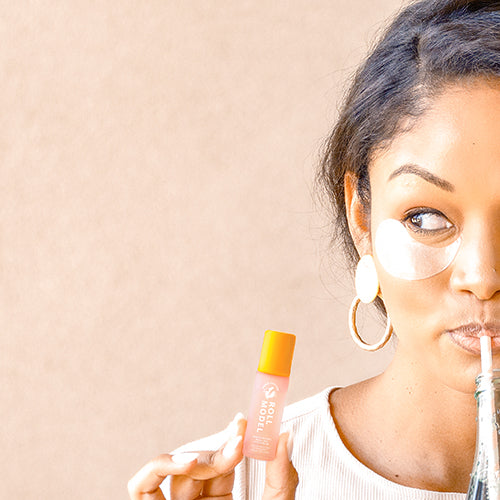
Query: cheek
column 404, row 257
column 413, row 279
column 413, row 306
column 420, row 314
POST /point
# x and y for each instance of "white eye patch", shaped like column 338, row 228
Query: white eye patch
column 406, row 258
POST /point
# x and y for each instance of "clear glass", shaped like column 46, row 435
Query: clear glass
column 485, row 476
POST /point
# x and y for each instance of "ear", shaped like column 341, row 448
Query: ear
column 358, row 217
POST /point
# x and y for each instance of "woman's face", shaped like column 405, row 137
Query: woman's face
column 441, row 181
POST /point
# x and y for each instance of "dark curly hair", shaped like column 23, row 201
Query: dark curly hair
column 429, row 44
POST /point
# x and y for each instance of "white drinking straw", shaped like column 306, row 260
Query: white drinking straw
column 486, row 359
column 491, row 438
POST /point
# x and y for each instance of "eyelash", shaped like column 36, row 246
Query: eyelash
column 422, row 211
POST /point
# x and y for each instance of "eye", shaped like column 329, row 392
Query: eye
column 427, row 221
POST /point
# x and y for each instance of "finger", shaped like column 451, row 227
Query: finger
column 220, row 462
column 225, row 459
column 222, row 485
column 209, row 478
column 213, row 474
column 219, row 486
column 197, row 466
column 147, row 481
column 225, row 497
column 281, row 477
column 185, row 488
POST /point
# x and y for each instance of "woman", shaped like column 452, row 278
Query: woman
column 413, row 171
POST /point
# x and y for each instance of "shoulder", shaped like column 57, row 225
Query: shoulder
column 305, row 419
column 307, row 408
column 294, row 415
column 310, row 422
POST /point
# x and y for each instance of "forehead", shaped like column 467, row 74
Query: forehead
column 457, row 138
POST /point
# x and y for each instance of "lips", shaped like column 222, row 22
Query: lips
column 467, row 336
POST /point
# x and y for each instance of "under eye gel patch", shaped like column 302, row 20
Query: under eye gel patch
column 406, row 258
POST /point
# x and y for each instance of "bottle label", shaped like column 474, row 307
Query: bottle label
column 267, row 409
column 264, row 419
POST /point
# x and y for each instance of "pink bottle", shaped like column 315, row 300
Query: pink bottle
column 269, row 393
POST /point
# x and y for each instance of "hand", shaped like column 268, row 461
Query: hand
column 210, row 474
column 281, row 477
column 195, row 475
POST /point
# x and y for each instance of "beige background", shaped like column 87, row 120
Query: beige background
column 156, row 217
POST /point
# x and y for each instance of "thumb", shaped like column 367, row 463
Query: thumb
column 281, row 477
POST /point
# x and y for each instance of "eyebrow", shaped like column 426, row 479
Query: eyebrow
column 413, row 169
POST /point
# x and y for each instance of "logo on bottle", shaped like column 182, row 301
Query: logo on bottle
column 270, row 390
column 267, row 406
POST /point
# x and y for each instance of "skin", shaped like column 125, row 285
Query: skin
column 211, row 473
column 415, row 423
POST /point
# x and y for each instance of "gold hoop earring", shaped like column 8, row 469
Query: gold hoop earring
column 366, row 279
column 354, row 331
column 367, row 288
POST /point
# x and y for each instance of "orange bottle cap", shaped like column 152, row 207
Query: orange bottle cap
column 277, row 353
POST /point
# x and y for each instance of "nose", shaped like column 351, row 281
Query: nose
column 476, row 268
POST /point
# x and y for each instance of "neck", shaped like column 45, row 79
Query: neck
column 446, row 414
column 409, row 428
column 435, row 422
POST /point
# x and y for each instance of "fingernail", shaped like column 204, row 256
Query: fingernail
column 289, row 445
column 232, row 428
column 184, row 458
column 231, row 446
column 239, row 416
